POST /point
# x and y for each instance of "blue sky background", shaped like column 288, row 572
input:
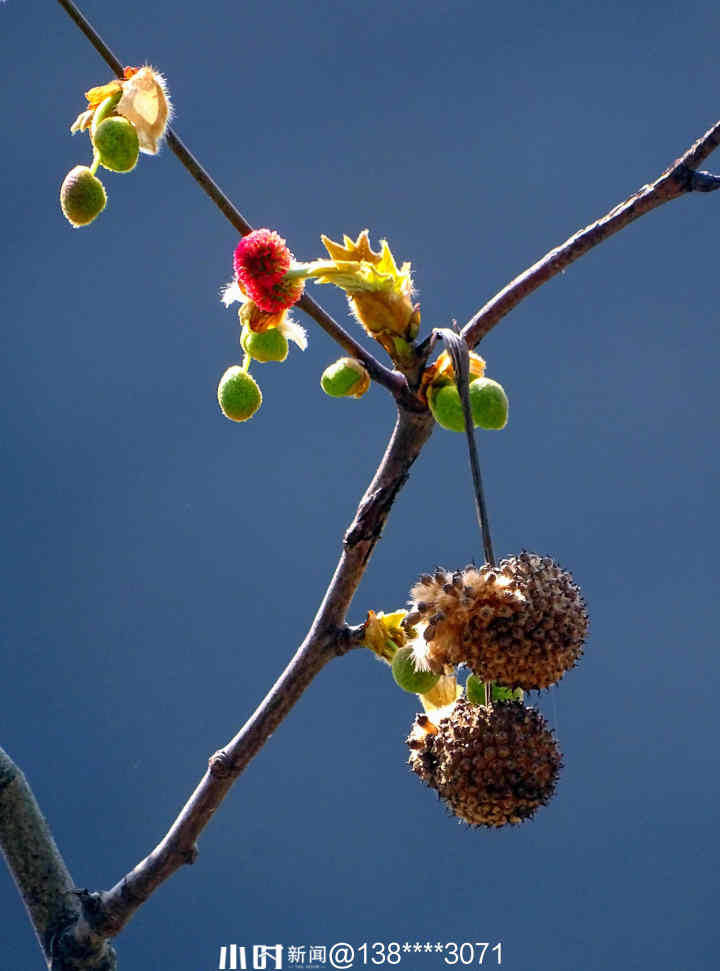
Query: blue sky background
column 161, row 564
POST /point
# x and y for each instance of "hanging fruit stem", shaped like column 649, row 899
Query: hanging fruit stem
column 459, row 353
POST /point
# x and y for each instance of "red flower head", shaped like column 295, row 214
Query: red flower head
column 261, row 258
column 277, row 297
column 260, row 262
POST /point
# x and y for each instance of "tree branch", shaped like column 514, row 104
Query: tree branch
column 71, row 924
column 43, row 880
column 674, row 182
column 76, row 923
column 328, row 637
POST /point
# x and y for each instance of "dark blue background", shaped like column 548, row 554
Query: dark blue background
column 160, row 564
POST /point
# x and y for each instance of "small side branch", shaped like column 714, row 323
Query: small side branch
column 681, row 177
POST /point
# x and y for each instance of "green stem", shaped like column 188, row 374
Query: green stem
column 103, row 110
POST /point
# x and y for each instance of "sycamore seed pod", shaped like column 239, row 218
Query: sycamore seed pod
column 346, row 378
column 116, row 142
column 408, row 677
column 238, row 394
column 82, row 196
column 488, row 405
column 521, row 623
column 491, row 766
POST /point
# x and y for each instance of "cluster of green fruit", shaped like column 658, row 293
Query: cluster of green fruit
column 239, row 394
column 116, row 147
column 488, row 404
column 408, row 677
column 488, row 401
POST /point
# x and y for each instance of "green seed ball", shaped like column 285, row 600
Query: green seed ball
column 116, row 141
column 408, row 677
column 239, row 396
column 446, row 407
column 488, row 403
column 475, row 692
column 270, row 345
column 82, row 196
column 343, row 378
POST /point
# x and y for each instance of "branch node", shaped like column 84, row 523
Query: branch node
column 343, row 642
column 220, row 765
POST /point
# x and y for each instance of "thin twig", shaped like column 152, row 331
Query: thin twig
column 392, row 380
column 674, row 182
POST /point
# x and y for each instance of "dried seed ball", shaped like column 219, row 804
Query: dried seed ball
column 522, row 623
column 82, row 196
column 491, row 766
column 408, row 677
column 488, row 405
column 239, row 396
column 268, row 345
column 117, row 144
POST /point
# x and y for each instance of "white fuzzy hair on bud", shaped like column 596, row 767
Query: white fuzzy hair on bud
column 231, row 293
column 293, row 332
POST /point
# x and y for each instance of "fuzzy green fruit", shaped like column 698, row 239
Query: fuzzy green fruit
column 446, row 407
column 82, row 196
column 408, row 677
column 475, row 692
column 345, row 378
column 488, row 405
column 116, row 142
column 238, row 394
column 270, row 345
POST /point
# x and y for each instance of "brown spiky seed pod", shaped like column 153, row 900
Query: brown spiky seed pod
column 491, row 766
column 521, row 623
